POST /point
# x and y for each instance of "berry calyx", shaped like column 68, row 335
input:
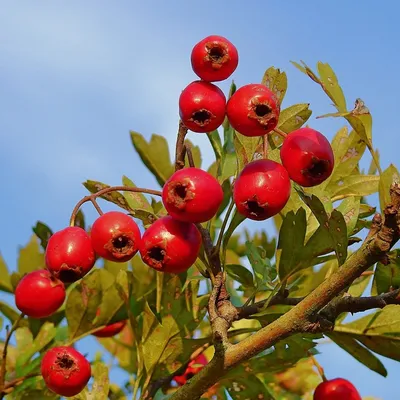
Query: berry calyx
column 202, row 106
column 170, row 245
column 336, row 389
column 214, row 58
column 39, row 294
column 69, row 254
column 115, row 236
column 308, row 157
column 110, row 330
column 253, row 110
column 193, row 368
column 192, row 195
column 261, row 190
column 65, row 371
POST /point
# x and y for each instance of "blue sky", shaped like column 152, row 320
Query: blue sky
column 76, row 76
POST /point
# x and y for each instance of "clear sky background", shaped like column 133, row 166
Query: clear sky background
column 76, row 76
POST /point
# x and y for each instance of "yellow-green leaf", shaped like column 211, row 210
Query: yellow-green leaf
column 389, row 176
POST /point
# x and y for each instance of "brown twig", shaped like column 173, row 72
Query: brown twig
column 189, row 153
column 92, row 197
column 180, row 149
column 265, row 146
column 8, row 386
column 213, row 257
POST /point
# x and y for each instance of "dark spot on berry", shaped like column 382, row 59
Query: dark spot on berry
column 121, row 242
column 216, row 53
column 262, row 110
column 157, row 254
column 189, row 375
column 201, row 117
column 180, row 191
column 254, row 207
column 65, row 361
column 318, row 168
column 69, row 275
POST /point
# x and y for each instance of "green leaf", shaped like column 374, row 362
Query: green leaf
column 359, row 352
column 101, row 383
column 228, row 130
column 155, row 155
column 236, row 220
column 387, row 277
column 216, row 144
column 5, row 279
column 80, row 220
column 114, row 197
column 389, row 176
column 246, row 386
column 350, row 208
column 43, row 232
column 354, row 185
column 228, row 167
column 9, row 312
column 262, row 268
column 291, row 242
column 30, row 257
column 115, row 267
column 245, row 147
column 240, row 274
column 276, row 81
column 294, row 117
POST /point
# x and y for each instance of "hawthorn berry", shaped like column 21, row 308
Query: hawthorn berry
column 192, row 195
column 170, row 245
column 69, row 254
column 65, row 371
column 202, row 106
column 115, row 236
column 192, row 369
column 214, row 58
column 308, row 157
column 253, row 110
column 110, row 330
column 261, row 190
column 39, row 294
column 336, row 389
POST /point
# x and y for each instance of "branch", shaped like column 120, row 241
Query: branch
column 304, row 316
column 180, row 150
column 9, row 386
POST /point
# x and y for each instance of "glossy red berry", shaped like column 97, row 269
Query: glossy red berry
column 192, row 195
column 65, row 371
column 308, row 157
column 39, row 294
column 202, row 106
column 170, row 245
column 110, row 330
column 262, row 189
column 336, row 389
column 253, row 110
column 193, row 368
column 214, row 58
column 69, row 254
column 115, row 236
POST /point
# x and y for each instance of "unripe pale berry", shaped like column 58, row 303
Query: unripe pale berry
column 336, row 389
column 253, row 110
column 170, row 245
column 192, row 195
column 69, row 254
column 65, row 371
column 202, row 106
column 308, row 157
column 214, row 58
column 39, row 294
column 261, row 190
column 115, row 236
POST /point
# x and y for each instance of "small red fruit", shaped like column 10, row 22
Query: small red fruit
column 170, row 245
column 65, row 371
column 261, row 190
column 193, row 368
column 115, row 236
column 214, row 58
column 253, row 110
column 308, row 157
column 110, row 330
column 336, row 389
column 202, row 106
column 192, row 195
column 39, row 294
column 69, row 254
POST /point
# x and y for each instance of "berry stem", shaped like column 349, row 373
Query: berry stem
column 3, row 367
column 180, row 150
column 160, row 281
column 318, row 366
column 189, row 154
column 265, row 147
column 92, row 197
column 280, row 132
column 96, row 206
column 223, row 226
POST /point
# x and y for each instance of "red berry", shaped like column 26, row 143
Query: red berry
column 336, row 389
column 193, row 368
column 253, row 110
column 202, row 106
column 110, row 330
column 170, row 245
column 214, row 58
column 65, row 371
column 39, row 294
column 115, row 236
column 192, row 195
column 261, row 190
column 308, row 157
column 69, row 254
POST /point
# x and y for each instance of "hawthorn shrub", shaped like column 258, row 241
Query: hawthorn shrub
column 188, row 301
